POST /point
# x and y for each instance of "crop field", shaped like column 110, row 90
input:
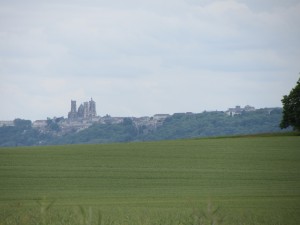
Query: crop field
column 245, row 180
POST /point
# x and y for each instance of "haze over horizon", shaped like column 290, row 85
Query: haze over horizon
column 138, row 58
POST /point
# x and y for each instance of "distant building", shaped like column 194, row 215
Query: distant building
column 73, row 113
column 6, row 123
column 160, row 116
column 39, row 124
column 238, row 110
column 80, row 112
column 92, row 108
column 87, row 110
column 249, row 108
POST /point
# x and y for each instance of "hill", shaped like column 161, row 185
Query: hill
column 177, row 126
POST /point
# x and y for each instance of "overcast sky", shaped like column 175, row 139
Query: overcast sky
column 142, row 57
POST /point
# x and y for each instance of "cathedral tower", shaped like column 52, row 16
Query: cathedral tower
column 85, row 111
column 92, row 108
column 73, row 113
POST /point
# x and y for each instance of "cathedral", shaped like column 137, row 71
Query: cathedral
column 85, row 111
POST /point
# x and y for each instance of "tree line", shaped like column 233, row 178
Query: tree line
column 177, row 126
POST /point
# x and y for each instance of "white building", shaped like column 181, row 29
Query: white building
column 39, row 124
column 238, row 110
column 6, row 123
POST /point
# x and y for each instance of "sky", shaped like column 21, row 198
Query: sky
column 143, row 57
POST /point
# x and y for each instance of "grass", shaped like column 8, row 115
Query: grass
column 250, row 180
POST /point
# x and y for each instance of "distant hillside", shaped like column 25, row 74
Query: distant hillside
column 21, row 133
column 177, row 126
column 217, row 124
column 180, row 125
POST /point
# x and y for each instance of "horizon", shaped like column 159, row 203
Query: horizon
column 143, row 58
column 148, row 115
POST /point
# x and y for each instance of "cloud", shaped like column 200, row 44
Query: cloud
column 166, row 55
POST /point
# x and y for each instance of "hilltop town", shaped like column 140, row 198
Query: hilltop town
column 84, row 125
column 86, row 115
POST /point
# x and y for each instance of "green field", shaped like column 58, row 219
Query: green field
column 249, row 180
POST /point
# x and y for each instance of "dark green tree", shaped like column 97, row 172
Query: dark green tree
column 291, row 109
column 52, row 124
column 22, row 124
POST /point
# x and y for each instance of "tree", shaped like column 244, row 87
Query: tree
column 22, row 124
column 52, row 124
column 291, row 109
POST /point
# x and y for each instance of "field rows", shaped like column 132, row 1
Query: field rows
column 257, row 175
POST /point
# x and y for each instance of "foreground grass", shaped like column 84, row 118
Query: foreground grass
column 253, row 180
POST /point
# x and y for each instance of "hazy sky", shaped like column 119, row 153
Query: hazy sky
column 142, row 57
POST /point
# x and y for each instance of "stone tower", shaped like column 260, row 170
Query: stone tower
column 80, row 112
column 92, row 108
column 85, row 111
column 73, row 113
